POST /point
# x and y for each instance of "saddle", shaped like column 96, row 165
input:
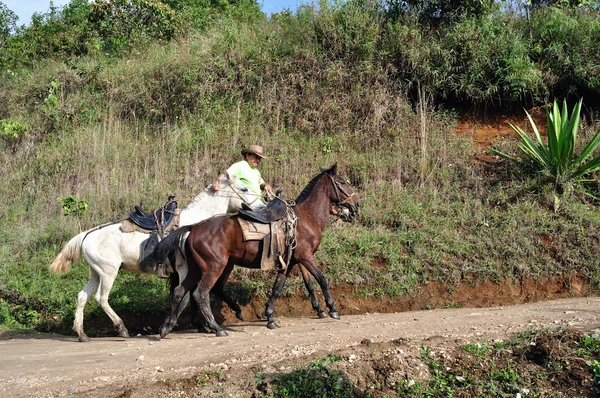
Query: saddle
column 274, row 211
column 156, row 220
column 275, row 226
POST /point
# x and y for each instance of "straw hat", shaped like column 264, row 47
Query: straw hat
column 256, row 150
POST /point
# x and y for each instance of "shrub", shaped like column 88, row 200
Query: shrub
column 556, row 160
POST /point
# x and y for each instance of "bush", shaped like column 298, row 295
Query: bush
column 565, row 45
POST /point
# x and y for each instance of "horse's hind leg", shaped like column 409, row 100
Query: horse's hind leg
column 219, row 291
column 310, row 287
column 82, row 298
column 107, row 279
column 202, row 297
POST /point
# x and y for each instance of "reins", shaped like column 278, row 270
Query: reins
column 242, row 198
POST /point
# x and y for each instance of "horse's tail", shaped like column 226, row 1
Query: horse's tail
column 68, row 255
column 168, row 244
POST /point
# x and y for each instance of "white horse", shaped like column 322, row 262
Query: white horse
column 106, row 248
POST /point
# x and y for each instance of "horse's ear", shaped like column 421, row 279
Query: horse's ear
column 332, row 170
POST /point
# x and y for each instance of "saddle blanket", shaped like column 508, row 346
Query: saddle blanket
column 271, row 247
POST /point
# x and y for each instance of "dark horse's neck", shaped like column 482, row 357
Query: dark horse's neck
column 314, row 201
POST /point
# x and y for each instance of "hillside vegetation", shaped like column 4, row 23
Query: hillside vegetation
column 122, row 103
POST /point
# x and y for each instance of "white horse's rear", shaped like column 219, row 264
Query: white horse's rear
column 70, row 254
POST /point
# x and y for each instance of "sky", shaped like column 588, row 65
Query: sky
column 25, row 8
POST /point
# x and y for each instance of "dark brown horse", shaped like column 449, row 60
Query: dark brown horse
column 214, row 246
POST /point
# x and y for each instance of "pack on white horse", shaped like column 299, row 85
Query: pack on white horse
column 107, row 248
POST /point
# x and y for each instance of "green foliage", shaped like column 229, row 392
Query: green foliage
column 6, row 318
column 122, row 24
column 60, row 32
column 588, row 345
column 8, row 21
column 556, row 159
column 316, row 380
column 435, row 12
column 203, row 378
column 565, row 46
column 51, row 100
column 583, row 4
column 11, row 129
column 350, row 31
column 594, row 367
column 477, row 349
column 74, row 208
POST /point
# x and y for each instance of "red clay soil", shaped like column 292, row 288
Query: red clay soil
column 432, row 295
column 487, row 128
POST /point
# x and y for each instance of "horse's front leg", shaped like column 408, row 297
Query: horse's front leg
column 106, row 282
column 313, row 268
column 275, row 293
column 310, row 287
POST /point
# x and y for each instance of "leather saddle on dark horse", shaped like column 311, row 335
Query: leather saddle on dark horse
column 278, row 231
column 274, row 211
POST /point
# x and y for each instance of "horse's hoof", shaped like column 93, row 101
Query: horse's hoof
column 83, row 338
column 272, row 325
column 239, row 316
column 221, row 333
column 334, row 315
column 122, row 332
column 164, row 331
column 322, row 315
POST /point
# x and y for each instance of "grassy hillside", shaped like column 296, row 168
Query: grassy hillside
column 167, row 117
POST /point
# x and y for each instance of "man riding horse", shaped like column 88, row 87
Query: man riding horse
column 247, row 171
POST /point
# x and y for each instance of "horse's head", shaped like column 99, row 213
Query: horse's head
column 238, row 193
column 344, row 201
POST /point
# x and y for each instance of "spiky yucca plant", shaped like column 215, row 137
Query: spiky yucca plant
column 556, row 159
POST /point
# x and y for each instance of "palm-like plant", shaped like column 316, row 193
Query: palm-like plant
column 556, row 158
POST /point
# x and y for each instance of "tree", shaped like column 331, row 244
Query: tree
column 121, row 23
column 435, row 12
column 8, row 22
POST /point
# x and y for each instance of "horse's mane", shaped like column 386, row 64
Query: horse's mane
column 311, row 185
column 199, row 198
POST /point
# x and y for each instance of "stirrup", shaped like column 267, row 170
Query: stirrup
column 282, row 264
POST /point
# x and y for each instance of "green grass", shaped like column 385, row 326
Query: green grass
column 529, row 363
column 314, row 380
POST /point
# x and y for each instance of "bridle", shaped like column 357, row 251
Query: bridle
column 347, row 202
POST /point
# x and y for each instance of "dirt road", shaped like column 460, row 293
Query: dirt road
column 51, row 365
